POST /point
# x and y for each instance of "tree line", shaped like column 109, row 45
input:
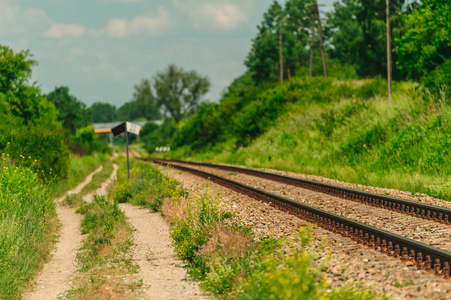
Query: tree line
column 173, row 93
column 355, row 47
column 354, row 34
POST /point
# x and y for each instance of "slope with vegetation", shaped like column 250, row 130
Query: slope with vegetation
column 342, row 127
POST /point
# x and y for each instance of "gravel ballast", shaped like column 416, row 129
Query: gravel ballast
column 350, row 263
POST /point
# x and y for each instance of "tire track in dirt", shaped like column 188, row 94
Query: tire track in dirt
column 56, row 275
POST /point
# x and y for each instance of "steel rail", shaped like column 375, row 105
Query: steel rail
column 415, row 209
column 425, row 257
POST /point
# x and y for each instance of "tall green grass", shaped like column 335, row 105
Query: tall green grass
column 27, row 221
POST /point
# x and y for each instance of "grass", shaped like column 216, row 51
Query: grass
column 99, row 178
column 28, row 222
column 223, row 254
column 146, row 187
column 105, row 261
column 27, row 227
column 80, row 167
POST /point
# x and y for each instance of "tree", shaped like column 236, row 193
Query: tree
column 146, row 104
column 21, row 102
column 357, row 31
column 426, row 43
column 143, row 104
column 290, row 24
column 180, row 92
column 103, row 112
column 71, row 111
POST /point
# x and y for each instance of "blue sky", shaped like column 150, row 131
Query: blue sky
column 101, row 48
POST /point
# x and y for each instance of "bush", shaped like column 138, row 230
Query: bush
column 439, row 80
column 86, row 141
column 42, row 149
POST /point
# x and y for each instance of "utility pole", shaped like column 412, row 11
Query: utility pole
column 312, row 44
column 280, row 55
column 321, row 45
column 315, row 14
column 388, row 51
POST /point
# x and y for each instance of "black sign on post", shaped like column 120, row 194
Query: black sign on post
column 126, row 127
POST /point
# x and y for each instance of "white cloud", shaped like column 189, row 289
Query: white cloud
column 61, row 30
column 218, row 14
column 120, row 28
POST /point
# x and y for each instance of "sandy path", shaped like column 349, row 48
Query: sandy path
column 103, row 190
column 162, row 273
column 55, row 277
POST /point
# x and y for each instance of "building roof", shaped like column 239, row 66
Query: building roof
column 106, row 127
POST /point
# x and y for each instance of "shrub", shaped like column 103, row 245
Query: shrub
column 42, row 149
column 439, row 80
column 86, row 141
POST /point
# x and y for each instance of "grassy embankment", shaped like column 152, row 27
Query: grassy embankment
column 344, row 130
column 28, row 222
column 225, row 256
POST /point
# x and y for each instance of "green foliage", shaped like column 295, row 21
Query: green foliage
column 72, row 113
column 192, row 232
column 148, row 129
column 41, row 148
column 423, row 147
column 161, row 136
column 179, row 92
column 21, row 102
column 143, row 105
column 27, row 221
column 103, row 112
column 79, row 168
column 357, row 31
column 146, row 187
column 439, row 80
column 104, row 258
column 289, row 22
column 86, row 141
column 243, row 116
column 426, row 43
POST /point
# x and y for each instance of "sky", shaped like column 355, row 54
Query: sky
column 100, row 49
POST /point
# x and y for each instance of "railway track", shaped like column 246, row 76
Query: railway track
column 417, row 209
column 424, row 256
